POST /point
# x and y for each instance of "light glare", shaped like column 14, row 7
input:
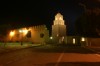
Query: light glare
column 51, row 37
column 73, row 40
column 12, row 33
column 83, row 39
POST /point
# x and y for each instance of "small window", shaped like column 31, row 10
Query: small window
column 73, row 40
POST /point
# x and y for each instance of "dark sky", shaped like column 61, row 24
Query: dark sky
column 40, row 12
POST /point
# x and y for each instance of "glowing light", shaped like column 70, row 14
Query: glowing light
column 56, row 18
column 12, row 33
column 73, row 40
column 20, row 31
column 83, row 39
column 57, row 35
column 60, row 18
column 51, row 37
column 25, row 31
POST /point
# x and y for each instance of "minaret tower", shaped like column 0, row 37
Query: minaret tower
column 58, row 27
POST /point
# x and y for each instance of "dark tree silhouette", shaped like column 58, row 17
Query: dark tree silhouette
column 88, row 24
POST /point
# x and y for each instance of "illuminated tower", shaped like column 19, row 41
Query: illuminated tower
column 58, row 27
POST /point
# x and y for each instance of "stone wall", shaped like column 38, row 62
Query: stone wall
column 39, row 34
column 94, row 42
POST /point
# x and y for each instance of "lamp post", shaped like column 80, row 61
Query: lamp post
column 23, row 32
column 51, row 39
column 12, row 33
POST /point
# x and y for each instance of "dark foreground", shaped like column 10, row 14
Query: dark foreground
column 50, row 56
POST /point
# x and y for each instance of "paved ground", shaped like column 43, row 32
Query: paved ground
column 95, row 49
column 14, row 46
column 50, row 56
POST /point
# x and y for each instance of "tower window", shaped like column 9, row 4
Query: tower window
column 60, row 18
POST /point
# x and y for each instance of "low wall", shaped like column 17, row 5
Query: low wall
column 94, row 42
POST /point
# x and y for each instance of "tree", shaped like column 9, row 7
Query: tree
column 88, row 23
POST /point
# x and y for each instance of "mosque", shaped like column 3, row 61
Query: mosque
column 40, row 34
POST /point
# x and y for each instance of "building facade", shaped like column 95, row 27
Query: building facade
column 60, row 36
column 40, row 34
column 34, row 34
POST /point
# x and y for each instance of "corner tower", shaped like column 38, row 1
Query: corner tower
column 58, row 27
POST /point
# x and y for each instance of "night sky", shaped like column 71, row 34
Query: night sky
column 40, row 12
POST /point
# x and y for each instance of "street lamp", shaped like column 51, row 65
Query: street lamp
column 12, row 33
column 23, row 33
column 51, row 37
column 83, row 39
